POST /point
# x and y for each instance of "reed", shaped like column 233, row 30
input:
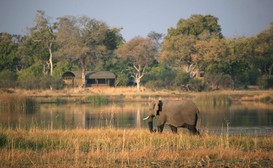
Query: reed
column 97, row 100
column 130, row 148
column 264, row 98
column 213, row 99
column 17, row 103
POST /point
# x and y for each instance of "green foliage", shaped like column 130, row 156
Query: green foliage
column 33, row 78
column 63, row 67
column 200, row 26
column 182, row 78
column 265, row 82
column 262, row 56
column 219, row 81
column 159, row 77
column 8, row 49
column 194, row 44
column 8, row 79
column 121, row 79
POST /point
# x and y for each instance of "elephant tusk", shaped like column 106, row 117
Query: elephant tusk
column 146, row 118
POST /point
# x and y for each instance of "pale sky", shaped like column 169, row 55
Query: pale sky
column 139, row 17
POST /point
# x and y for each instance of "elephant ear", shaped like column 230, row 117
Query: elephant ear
column 160, row 105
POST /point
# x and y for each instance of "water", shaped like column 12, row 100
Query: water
column 238, row 118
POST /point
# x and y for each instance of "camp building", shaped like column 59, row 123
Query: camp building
column 92, row 78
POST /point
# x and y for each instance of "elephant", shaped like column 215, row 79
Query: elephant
column 175, row 114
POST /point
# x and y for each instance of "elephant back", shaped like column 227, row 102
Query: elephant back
column 179, row 113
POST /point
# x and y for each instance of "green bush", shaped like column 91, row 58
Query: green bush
column 8, row 79
column 160, row 77
column 49, row 82
column 121, row 80
column 265, row 82
column 33, row 78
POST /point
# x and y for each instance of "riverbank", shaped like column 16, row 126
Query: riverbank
column 108, row 147
column 130, row 94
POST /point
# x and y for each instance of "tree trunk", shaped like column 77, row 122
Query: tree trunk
column 49, row 46
column 138, row 75
column 83, row 72
column 138, row 84
column 51, row 61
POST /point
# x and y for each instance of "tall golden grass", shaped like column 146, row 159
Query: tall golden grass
column 130, row 148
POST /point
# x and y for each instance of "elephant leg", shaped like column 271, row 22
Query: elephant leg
column 174, row 129
column 193, row 130
column 160, row 128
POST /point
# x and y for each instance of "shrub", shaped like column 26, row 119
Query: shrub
column 49, row 82
column 8, row 79
column 160, row 77
column 219, row 81
column 121, row 80
column 265, row 82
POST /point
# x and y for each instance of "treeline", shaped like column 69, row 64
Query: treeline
column 194, row 55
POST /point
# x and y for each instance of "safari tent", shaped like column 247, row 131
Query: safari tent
column 92, row 78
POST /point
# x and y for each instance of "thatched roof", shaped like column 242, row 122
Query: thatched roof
column 90, row 74
column 100, row 75
column 68, row 74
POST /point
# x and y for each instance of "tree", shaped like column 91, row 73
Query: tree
column 263, row 52
column 140, row 52
column 200, row 26
column 178, row 49
column 86, row 40
column 210, row 54
column 8, row 56
column 31, row 53
column 157, row 39
column 177, row 52
column 43, row 33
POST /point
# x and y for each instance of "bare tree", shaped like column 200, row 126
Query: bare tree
column 140, row 52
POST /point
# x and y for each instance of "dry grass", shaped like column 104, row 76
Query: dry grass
column 130, row 94
column 130, row 148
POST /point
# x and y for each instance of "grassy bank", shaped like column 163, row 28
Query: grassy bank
column 130, row 148
column 105, row 94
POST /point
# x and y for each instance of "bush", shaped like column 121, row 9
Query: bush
column 49, row 82
column 219, row 81
column 182, row 78
column 265, row 83
column 28, row 82
column 8, row 79
column 121, row 80
column 160, row 77
column 33, row 78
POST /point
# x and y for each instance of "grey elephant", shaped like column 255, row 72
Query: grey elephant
column 175, row 114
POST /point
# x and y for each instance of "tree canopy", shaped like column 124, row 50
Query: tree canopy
column 174, row 61
column 140, row 52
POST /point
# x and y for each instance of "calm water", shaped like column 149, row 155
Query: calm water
column 247, row 118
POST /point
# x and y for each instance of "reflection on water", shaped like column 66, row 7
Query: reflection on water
column 241, row 118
